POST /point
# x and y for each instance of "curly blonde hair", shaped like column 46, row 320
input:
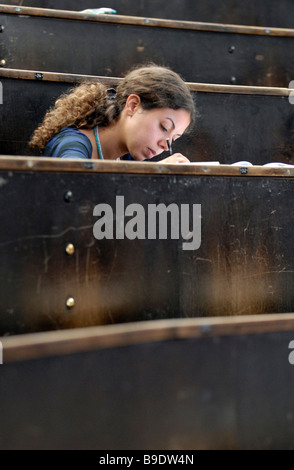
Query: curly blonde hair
column 90, row 103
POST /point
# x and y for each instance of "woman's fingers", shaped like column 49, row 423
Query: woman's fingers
column 176, row 158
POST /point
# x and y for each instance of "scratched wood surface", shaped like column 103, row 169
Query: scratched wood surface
column 85, row 389
column 184, row 46
column 251, row 12
column 243, row 266
column 225, row 131
column 49, row 165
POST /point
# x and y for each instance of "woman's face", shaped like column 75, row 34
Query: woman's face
column 147, row 131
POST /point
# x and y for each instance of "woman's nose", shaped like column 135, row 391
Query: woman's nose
column 163, row 144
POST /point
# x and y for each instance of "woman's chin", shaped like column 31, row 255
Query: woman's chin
column 140, row 158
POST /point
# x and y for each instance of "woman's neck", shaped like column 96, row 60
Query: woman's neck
column 111, row 141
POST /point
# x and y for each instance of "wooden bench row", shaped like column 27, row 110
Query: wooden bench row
column 235, row 123
column 252, row 12
column 72, row 42
column 55, row 273
column 178, row 385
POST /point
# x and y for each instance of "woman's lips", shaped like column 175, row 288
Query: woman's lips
column 151, row 153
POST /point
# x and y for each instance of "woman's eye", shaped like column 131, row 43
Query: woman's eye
column 163, row 128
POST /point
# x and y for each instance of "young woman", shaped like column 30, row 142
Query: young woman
column 151, row 107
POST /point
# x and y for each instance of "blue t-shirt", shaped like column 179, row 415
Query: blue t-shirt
column 71, row 143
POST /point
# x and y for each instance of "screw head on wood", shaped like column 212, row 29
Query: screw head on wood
column 68, row 197
column 70, row 249
column 70, row 303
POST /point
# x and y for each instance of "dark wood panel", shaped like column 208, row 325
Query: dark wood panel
column 200, row 52
column 252, row 12
column 161, row 393
column 235, row 123
column 243, row 266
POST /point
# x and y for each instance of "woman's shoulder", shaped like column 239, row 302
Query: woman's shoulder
column 69, row 143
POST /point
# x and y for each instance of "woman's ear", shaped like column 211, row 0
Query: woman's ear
column 132, row 104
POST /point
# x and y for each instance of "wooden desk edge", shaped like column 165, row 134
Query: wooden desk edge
column 43, row 164
column 73, row 79
column 65, row 342
column 145, row 21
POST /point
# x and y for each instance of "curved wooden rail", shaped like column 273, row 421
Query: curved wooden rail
column 75, row 78
column 253, row 12
column 136, row 20
column 58, row 343
column 20, row 163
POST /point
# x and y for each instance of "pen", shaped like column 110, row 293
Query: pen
column 169, row 147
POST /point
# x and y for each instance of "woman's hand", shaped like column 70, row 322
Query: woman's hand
column 176, row 158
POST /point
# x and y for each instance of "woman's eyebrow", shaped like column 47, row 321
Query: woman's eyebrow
column 170, row 119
